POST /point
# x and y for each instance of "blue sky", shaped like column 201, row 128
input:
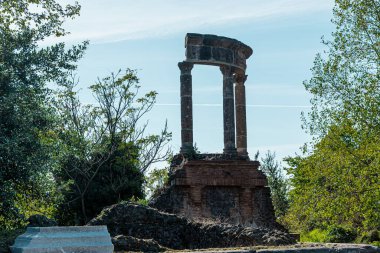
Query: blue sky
column 149, row 36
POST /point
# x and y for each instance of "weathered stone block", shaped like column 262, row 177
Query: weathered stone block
column 94, row 239
column 192, row 52
column 205, row 53
column 195, row 39
column 210, row 40
column 222, row 55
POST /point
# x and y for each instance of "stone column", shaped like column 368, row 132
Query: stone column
column 186, row 107
column 228, row 110
column 241, row 122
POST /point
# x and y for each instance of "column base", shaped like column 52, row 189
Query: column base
column 187, row 150
column 230, row 151
column 242, row 152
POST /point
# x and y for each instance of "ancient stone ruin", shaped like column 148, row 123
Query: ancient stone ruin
column 226, row 186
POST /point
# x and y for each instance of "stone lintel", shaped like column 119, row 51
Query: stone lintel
column 216, row 50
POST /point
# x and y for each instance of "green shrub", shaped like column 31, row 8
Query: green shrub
column 139, row 201
column 316, row 235
column 336, row 233
column 371, row 237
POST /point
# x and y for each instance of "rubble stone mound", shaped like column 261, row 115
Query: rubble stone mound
column 38, row 220
column 122, row 242
column 176, row 232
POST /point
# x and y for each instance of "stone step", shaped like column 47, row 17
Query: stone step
column 64, row 240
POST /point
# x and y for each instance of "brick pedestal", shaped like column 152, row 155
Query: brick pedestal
column 232, row 191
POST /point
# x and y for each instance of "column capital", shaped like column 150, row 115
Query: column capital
column 240, row 78
column 185, row 67
column 226, row 70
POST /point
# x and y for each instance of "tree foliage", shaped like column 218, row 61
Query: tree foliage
column 277, row 183
column 156, row 181
column 25, row 114
column 337, row 181
column 345, row 83
column 104, row 148
column 56, row 153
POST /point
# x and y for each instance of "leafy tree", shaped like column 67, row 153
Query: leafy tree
column 25, row 115
column 337, row 181
column 277, row 183
column 156, row 181
column 105, row 150
column 345, row 83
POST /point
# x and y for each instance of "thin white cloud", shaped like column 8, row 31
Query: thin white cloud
column 106, row 21
column 280, row 106
column 282, row 88
column 220, row 105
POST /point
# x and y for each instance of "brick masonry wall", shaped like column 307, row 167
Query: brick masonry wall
column 232, row 191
